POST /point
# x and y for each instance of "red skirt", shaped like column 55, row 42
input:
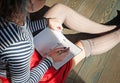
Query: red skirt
column 52, row 75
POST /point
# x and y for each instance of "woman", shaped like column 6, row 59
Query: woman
column 17, row 46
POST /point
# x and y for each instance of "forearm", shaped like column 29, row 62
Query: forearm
column 19, row 61
column 38, row 72
column 27, row 76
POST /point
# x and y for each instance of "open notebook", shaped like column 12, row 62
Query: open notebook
column 49, row 39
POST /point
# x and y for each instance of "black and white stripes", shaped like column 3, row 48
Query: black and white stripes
column 37, row 25
column 16, row 48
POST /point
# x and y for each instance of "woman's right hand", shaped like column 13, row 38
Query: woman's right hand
column 55, row 24
column 58, row 54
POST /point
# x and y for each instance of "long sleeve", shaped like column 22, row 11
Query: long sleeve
column 18, row 59
column 37, row 25
column 16, row 49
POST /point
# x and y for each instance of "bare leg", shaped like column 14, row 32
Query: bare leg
column 97, row 45
column 75, row 21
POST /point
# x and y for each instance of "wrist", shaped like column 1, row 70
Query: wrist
column 49, row 58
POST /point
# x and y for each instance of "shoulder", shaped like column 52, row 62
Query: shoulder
column 9, row 34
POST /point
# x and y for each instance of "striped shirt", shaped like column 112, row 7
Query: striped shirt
column 16, row 48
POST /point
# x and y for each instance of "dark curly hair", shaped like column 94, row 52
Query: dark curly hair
column 13, row 8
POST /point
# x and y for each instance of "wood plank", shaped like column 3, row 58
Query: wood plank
column 114, row 11
column 51, row 2
column 68, row 80
column 88, row 7
column 92, row 68
column 111, row 73
column 103, row 10
column 73, row 74
column 74, row 4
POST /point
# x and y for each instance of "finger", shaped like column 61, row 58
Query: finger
column 59, row 48
column 57, row 28
column 56, row 51
column 60, row 28
column 59, row 57
column 63, row 55
column 64, row 52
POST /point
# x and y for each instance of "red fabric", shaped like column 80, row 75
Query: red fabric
column 4, row 80
column 52, row 75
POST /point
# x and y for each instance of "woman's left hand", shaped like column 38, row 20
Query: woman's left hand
column 55, row 24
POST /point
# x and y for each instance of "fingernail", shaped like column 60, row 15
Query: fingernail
column 64, row 47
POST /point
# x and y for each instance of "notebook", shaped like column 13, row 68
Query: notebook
column 49, row 39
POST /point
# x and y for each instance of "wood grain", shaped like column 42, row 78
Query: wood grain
column 111, row 72
column 104, row 68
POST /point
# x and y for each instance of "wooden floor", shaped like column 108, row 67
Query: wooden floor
column 104, row 68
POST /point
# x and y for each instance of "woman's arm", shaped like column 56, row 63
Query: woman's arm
column 37, row 25
column 18, row 56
